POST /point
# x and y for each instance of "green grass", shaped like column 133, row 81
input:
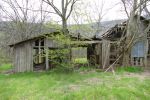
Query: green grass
column 5, row 67
column 130, row 69
column 82, row 85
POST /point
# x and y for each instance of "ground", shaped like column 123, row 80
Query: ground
column 83, row 84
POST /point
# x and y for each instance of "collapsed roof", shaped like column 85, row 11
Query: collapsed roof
column 119, row 30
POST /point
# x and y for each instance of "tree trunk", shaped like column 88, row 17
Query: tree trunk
column 131, row 32
column 64, row 26
column 126, row 58
column 130, row 38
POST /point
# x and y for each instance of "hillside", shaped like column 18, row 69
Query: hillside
column 93, row 29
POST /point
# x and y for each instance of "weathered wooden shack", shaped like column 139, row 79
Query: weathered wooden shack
column 33, row 53
column 30, row 54
column 106, row 52
column 140, row 50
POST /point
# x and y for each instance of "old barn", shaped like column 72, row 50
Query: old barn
column 33, row 53
column 140, row 50
column 101, row 50
column 30, row 53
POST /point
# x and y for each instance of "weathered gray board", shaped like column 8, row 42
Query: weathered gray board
column 23, row 54
column 52, row 43
column 23, row 57
column 80, row 52
column 105, row 53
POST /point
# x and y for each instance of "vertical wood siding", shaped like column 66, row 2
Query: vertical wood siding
column 105, row 53
column 52, row 43
column 23, row 60
column 79, row 52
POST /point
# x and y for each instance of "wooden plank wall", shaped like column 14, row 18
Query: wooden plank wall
column 98, row 53
column 105, row 53
column 79, row 52
column 23, row 57
column 148, row 50
column 52, row 43
column 47, row 53
column 145, row 62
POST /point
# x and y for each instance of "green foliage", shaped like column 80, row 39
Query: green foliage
column 60, row 54
column 73, row 86
column 59, row 57
column 80, row 61
column 61, row 39
column 53, row 25
column 82, row 27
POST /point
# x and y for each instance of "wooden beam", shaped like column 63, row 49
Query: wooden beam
column 85, row 42
column 46, row 50
column 105, row 53
column 146, row 53
column 100, row 55
column 39, row 49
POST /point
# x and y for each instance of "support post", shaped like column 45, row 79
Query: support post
column 46, row 50
column 105, row 53
column 39, row 51
column 146, row 54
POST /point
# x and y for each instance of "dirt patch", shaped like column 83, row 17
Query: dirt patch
column 68, row 88
column 146, row 73
column 11, row 71
column 74, row 87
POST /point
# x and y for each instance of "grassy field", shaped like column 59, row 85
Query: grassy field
column 78, row 85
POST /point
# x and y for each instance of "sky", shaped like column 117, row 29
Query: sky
column 85, row 10
column 109, row 9
column 89, row 11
